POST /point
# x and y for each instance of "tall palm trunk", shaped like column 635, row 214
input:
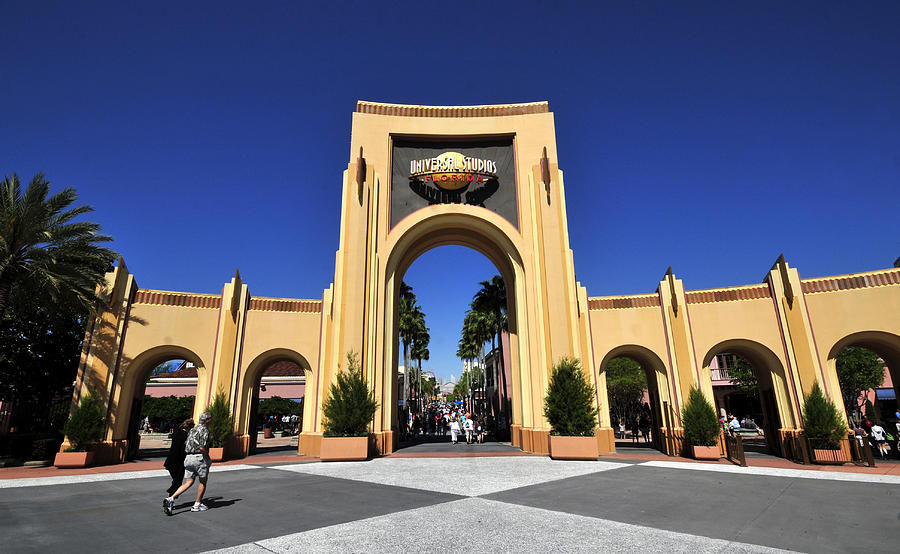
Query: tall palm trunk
column 502, row 370
column 406, row 375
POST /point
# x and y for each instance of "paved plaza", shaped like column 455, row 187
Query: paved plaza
column 430, row 503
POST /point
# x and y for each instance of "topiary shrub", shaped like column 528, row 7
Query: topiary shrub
column 569, row 404
column 350, row 404
column 222, row 425
column 86, row 424
column 701, row 426
column 823, row 423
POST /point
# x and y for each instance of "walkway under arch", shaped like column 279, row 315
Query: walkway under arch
column 657, row 387
column 476, row 229
column 886, row 345
column 128, row 393
column 781, row 408
column 247, row 397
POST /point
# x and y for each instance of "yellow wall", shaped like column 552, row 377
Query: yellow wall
column 792, row 326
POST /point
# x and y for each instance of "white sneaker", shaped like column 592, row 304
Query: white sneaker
column 167, row 506
column 199, row 508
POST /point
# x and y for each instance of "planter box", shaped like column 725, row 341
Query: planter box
column 705, row 452
column 344, row 449
column 73, row 459
column 267, row 433
column 828, row 456
column 574, row 448
column 217, row 454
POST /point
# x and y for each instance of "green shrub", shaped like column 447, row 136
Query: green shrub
column 823, row 423
column 569, row 404
column 86, row 425
column 350, row 405
column 222, row 425
column 701, row 426
column 166, row 408
column 278, row 406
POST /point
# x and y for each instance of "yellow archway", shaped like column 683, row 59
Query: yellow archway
column 247, row 392
column 131, row 380
column 664, row 411
column 886, row 345
column 463, row 226
column 779, row 400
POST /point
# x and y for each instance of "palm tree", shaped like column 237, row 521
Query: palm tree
column 43, row 253
column 491, row 301
column 411, row 324
column 476, row 331
column 419, row 351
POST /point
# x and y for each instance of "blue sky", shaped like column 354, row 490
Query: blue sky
column 707, row 136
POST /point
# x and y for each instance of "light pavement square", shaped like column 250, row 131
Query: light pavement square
column 460, row 476
column 780, row 472
column 104, row 477
column 477, row 524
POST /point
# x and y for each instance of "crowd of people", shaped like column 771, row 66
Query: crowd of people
column 440, row 419
column 289, row 424
column 883, row 438
column 639, row 426
column 730, row 423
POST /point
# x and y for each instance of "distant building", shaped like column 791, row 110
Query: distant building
column 284, row 379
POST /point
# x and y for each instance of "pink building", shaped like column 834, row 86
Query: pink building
column 284, row 379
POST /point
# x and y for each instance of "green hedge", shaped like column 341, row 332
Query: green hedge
column 569, row 404
column 701, row 426
column 350, row 405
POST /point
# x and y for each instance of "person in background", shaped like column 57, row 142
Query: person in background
column 454, row 430
column 879, row 439
column 469, row 426
column 175, row 459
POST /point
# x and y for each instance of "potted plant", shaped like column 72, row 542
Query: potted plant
column 701, row 426
column 824, row 427
column 569, row 408
column 348, row 409
column 84, row 429
column 221, row 428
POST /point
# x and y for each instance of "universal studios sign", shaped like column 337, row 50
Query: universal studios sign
column 479, row 173
column 452, row 170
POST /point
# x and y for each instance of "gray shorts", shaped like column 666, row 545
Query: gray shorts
column 195, row 465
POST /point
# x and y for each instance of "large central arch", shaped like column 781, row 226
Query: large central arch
column 464, row 226
column 389, row 220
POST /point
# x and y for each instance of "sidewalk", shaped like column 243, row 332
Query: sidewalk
column 882, row 467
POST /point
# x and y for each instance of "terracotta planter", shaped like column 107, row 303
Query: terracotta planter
column 705, row 452
column 828, row 456
column 267, row 433
column 73, row 459
column 217, row 454
column 574, row 448
column 344, row 449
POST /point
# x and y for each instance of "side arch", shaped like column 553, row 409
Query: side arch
column 777, row 396
column 131, row 381
column 886, row 345
column 246, row 393
column 663, row 411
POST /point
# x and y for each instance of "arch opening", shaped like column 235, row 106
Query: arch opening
column 865, row 388
column 269, row 410
column 484, row 237
column 456, row 360
column 160, row 388
column 751, row 393
column 637, row 390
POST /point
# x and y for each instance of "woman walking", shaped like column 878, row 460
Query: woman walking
column 175, row 459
